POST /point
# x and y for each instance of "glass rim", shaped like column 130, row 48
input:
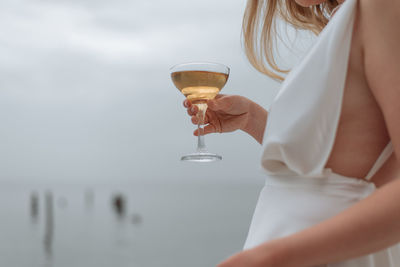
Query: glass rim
column 200, row 63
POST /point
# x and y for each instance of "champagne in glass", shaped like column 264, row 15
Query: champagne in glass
column 199, row 86
column 200, row 82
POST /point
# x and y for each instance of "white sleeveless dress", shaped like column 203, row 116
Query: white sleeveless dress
column 299, row 136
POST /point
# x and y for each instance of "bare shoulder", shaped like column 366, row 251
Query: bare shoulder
column 379, row 23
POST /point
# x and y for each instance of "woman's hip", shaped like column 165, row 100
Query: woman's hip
column 289, row 204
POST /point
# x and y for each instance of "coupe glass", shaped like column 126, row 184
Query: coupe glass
column 199, row 82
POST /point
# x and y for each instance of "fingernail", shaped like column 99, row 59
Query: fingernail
column 192, row 109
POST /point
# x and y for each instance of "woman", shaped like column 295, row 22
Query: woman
column 332, row 197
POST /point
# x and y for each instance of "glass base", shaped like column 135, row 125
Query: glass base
column 201, row 157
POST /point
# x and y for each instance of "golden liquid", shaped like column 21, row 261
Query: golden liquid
column 199, row 86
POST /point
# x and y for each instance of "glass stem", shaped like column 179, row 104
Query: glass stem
column 201, row 145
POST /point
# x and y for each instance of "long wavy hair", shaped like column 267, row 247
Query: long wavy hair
column 260, row 34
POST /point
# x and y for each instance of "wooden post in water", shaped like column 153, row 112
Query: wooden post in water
column 34, row 206
column 49, row 224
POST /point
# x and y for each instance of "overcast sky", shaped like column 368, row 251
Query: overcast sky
column 86, row 96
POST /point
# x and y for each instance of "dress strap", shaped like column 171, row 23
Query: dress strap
column 380, row 161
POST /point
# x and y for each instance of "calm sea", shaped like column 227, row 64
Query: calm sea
column 138, row 225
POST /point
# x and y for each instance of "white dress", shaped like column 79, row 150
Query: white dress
column 299, row 191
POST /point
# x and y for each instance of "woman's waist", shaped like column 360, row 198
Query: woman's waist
column 328, row 182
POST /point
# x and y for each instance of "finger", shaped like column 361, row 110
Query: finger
column 195, row 120
column 206, row 130
column 187, row 103
column 219, row 96
column 192, row 110
column 223, row 103
column 212, row 102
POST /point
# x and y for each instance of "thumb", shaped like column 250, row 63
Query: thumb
column 220, row 104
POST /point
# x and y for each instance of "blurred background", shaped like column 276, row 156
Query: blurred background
column 92, row 130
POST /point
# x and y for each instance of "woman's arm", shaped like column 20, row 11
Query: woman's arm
column 256, row 122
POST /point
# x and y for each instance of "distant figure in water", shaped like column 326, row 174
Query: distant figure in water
column 119, row 205
column 49, row 224
column 34, row 205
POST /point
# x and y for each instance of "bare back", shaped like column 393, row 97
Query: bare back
column 361, row 135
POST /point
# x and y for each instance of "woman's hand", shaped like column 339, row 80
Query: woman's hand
column 224, row 114
column 227, row 113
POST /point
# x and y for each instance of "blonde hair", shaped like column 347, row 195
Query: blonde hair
column 260, row 34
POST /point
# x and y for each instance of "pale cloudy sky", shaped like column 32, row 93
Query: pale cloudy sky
column 85, row 92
